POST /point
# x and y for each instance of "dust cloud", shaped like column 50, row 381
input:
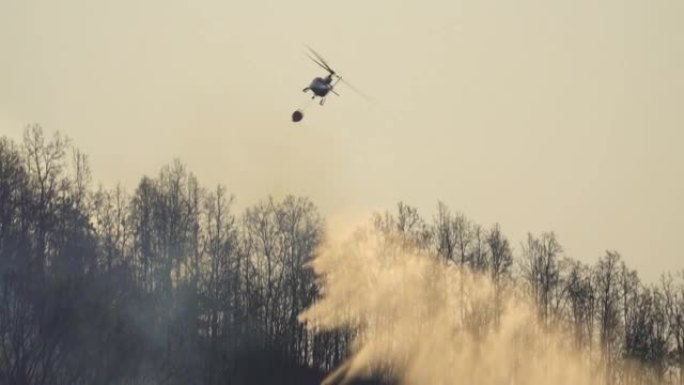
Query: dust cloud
column 417, row 319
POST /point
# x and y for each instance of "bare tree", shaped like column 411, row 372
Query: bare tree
column 674, row 307
column 579, row 291
column 444, row 234
column 407, row 224
column 44, row 164
column 111, row 222
column 541, row 272
column 81, row 179
column 220, row 282
column 479, row 256
column 500, row 263
column 607, row 283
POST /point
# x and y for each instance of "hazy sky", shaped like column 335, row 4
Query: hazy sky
column 539, row 115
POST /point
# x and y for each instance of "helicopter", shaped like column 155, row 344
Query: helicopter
column 322, row 86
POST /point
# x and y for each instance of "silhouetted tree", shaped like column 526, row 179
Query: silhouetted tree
column 581, row 298
column 500, row 264
column 541, row 271
column 607, row 283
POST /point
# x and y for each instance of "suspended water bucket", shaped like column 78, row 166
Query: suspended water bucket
column 297, row 116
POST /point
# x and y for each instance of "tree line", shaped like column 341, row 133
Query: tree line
column 169, row 284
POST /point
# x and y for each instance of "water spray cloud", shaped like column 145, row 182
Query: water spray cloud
column 421, row 320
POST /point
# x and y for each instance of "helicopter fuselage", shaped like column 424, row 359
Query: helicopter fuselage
column 321, row 86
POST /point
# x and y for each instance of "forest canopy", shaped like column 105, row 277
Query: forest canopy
column 169, row 284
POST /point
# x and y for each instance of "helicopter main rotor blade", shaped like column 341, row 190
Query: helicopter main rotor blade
column 320, row 58
column 358, row 91
column 319, row 63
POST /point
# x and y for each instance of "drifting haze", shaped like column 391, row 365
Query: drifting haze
column 541, row 116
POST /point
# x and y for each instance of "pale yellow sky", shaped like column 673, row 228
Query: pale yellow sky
column 563, row 115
